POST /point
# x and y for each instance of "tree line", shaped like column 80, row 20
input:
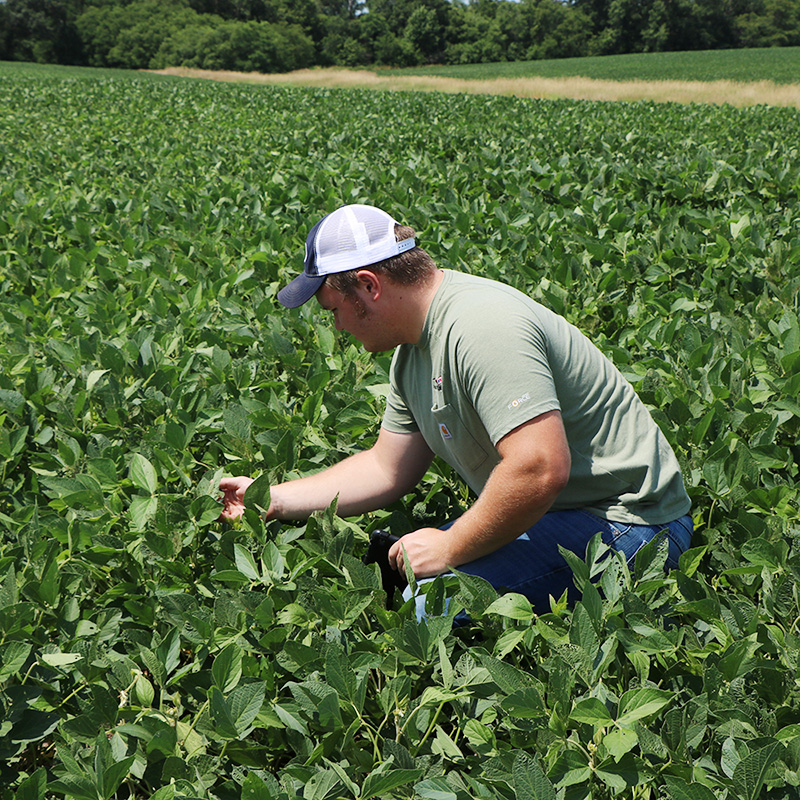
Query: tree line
column 282, row 35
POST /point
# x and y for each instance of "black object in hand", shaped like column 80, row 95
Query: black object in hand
column 378, row 553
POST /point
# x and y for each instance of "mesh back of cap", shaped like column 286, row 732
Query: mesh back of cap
column 355, row 232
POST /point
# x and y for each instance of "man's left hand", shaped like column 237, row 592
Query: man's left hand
column 429, row 552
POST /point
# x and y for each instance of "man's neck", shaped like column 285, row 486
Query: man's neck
column 413, row 304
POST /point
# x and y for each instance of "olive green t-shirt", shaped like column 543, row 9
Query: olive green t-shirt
column 490, row 359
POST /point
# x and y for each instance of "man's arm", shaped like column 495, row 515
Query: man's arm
column 363, row 482
column 534, row 468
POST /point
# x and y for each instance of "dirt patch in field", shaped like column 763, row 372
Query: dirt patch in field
column 737, row 94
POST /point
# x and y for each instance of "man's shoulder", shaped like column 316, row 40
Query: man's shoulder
column 475, row 306
column 463, row 290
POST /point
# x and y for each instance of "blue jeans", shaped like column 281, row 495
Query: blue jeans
column 532, row 565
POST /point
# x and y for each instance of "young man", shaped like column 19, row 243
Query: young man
column 545, row 430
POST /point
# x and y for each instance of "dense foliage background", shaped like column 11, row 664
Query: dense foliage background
column 282, row 35
column 147, row 650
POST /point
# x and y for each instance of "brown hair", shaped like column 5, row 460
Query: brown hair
column 409, row 268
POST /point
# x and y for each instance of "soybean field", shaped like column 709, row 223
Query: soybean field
column 148, row 650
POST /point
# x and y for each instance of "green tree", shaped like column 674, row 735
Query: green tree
column 130, row 35
column 99, row 27
column 773, row 23
column 640, row 25
column 347, row 9
column 340, row 44
column 5, row 38
column 425, row 33
column 237, row 9
column 554, row 30
column 153, row 23
column 43, row 31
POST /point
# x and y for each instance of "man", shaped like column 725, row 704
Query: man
column 545, row 430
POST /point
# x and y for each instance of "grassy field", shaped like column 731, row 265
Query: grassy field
column 736, row 77
column 20, row 69
column 577, row 88
column 777, row 64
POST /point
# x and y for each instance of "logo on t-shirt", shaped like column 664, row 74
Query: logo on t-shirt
column 443, row 430
column 519, row 401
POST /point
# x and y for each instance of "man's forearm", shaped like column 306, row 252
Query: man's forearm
column 357, row 481
column 363, row 482
column 512, row 501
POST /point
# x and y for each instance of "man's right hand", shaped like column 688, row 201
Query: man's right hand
column 233, row 490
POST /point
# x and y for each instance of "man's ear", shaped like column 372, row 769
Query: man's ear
column 370, row 283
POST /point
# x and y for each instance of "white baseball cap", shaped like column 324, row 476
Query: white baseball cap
column 351, row 237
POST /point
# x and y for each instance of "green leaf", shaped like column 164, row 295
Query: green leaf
column 227, row 668
column 741, row 225
column 143, row 474
column 93, row 378
column 475, row 593
column 680, row 790
column 591, row 711
column 571, row 768
column 257, row 494
column 12, row 658
column 323, row 785
column 380, row 783
column 254, row 788
column 530, row 782
column 34, row 786
column 620, row 741
column 524, row 704
column 507, row 677
column 690, row 560
column 761, row 552
column 435, row 789
column 60, row 660
column 242, row 705
column 751, row 771
column 580, row 569
column 145, row 693
column 739, row 658
column 637, row 704
column 245, row 562
column 624, row 774
column 513, row 606
column 142, row 510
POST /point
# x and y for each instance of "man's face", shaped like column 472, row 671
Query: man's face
column 352, row 315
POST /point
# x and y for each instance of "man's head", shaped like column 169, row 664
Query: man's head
column 348, row 240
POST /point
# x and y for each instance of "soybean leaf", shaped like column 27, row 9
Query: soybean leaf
column 751, row 771
column 637, row 704
column 257, row 494
column 530, row 782
column 143, row 474
column 227, row 668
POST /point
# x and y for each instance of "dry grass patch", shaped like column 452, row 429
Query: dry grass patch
column 732, row 92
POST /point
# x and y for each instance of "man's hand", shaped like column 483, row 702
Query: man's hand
column 233, row 490
column 428, row 550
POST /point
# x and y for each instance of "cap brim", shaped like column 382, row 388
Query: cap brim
column 300, row 290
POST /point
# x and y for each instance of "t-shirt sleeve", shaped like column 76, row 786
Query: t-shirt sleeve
column 505, row 370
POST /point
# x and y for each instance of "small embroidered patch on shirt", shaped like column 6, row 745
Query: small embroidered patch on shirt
column 443, row 430
column 437, row 383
